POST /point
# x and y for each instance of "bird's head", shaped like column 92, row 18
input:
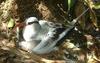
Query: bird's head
column 31, row 20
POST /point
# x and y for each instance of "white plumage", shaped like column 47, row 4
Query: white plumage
column 42, row 36
column 31, row 31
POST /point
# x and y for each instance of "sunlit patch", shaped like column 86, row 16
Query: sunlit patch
column 89, row 43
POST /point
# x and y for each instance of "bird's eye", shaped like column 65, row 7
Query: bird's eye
column 29, row 23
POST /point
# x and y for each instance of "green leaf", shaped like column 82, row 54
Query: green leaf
column 97, row 5
column 10, row 23
column 70, row 4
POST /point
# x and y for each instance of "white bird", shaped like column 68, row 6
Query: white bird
column 42, row 36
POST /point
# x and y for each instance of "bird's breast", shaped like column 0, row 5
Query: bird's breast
column 30, row 33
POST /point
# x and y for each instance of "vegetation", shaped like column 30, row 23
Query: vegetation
column 82, row 44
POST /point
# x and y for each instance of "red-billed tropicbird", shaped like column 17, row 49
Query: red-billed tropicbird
column 41, row 36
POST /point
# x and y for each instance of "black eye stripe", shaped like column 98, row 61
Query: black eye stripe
column 29, row 23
